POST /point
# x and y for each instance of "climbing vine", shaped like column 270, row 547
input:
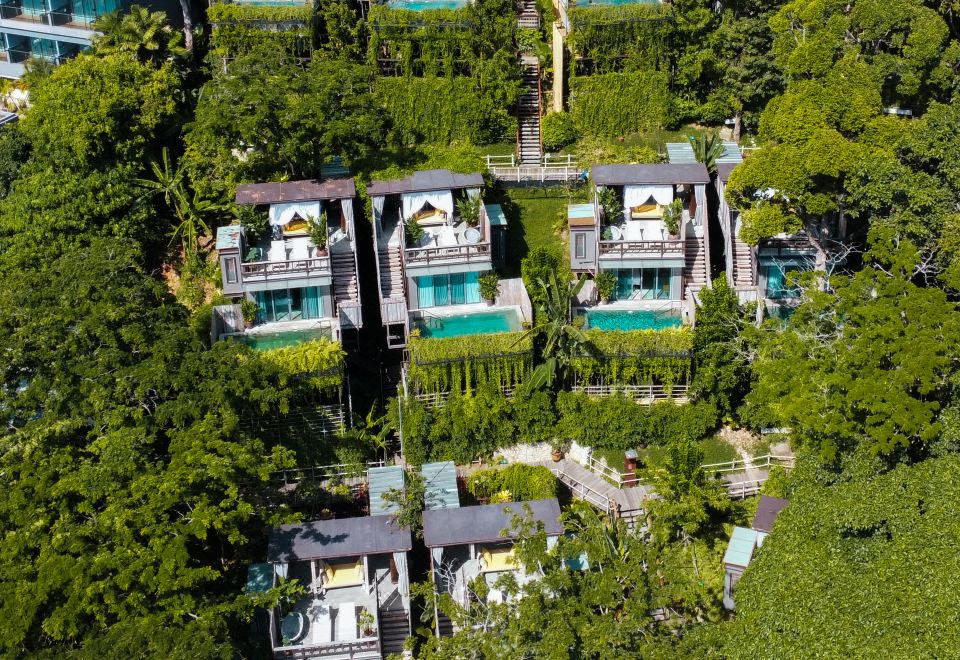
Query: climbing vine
column 320, row 362
column 461, row 364
column 636, row 357
column 620, row 103
column 239, row 28
column 619, row 38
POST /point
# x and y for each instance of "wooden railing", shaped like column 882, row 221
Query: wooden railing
column 461, row 253
column 341, row 649
column 646, row 248
column 266, row 269
column 754, row 463
column 742, row 489
column 323, row 472
column 584, row 492
column 394, row 310
column 350, row 314
column 636, row 392
column 601, row 469
column 435, row 399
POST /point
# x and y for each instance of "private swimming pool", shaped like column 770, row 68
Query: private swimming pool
column 420, row 5
column 632, row 319
column 266, row 341
column 480, row 323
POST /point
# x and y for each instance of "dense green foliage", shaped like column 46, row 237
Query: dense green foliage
column 514, row 483
column 635, row 357
column 462, row 363
column 629, row 37
column 241, row 28
column 443, row 110
column 558, row 131
column 614, row 104
column 320, row 362
column 858, row 567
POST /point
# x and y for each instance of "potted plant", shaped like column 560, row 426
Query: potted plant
column 606, row 282
column 366, row 622
column 248, row 309
column 469, row 209
column 557, row 453
column 413, row 231
column 318, row 231
column 672, row 214
column 326, row 514
column 489, row 287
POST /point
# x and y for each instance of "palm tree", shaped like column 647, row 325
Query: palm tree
column 562, row 341
column 140, row 32
column 170, row 182
column 707, row 149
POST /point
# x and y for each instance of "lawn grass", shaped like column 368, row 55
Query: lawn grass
column 532, row 216
column 715, row 450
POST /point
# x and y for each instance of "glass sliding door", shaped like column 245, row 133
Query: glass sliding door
column 472, row 288
column 425, row 291
column 312, row 303
column 624, row 284
column 441, row 290
column 458, row 293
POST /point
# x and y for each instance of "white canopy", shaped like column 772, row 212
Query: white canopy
column 282, row 214
column 638, row 195
column 438, row 199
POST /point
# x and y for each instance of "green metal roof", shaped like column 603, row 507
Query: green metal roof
column 259, row 578
column 682, row 152
column 580, row 210
column 740, row 550
column 379, row 481
column 495, row 213
column 228, row 237
column 441, row 482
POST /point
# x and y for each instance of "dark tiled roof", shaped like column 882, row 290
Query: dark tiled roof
column 768, row 508
column 658, row 173
column 426, row 180
column 724, row 169
column 341, row 537
column 482, row 524
column 295, row 191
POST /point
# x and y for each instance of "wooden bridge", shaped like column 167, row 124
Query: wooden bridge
column 556, row 169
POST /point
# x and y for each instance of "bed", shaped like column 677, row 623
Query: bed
column 342, row 574
column 495, row 560
column 646, row 211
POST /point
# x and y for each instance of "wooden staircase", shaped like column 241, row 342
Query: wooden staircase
column 529, row 144
column 743, row 267
column 394, row 630
column 346, row 288
column 529, row 16
column 694, row 264
column 445, row 625
column 391, row 270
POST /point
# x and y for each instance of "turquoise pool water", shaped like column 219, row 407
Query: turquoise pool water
column 481, row 323
column 623, row 319
column 420, row 5
column 267, row 341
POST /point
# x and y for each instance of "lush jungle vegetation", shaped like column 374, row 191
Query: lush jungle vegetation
column 138, row 487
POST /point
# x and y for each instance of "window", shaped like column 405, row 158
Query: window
column 289, row 304
column 231, row 274
column 453, row 289
column 580, row 245
column 645, row 284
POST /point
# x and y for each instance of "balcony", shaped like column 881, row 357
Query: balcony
column 623, row 249
column 456, row 242
column 287, row 259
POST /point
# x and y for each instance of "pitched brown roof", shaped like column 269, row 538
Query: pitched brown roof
column 426, row 180
column 657, row 173
column 768, row 508
column 295, row 191
column 724, row 169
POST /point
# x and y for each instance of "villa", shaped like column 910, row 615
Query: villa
column 357, row 587
column 302, row 272
column 473, row 542
column 744, row 541
column 434, row 239
column 647, row 225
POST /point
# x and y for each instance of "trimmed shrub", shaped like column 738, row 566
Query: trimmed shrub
column 558, row 131
column 523, row 482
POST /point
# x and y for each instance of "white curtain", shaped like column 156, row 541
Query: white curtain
column 700, row 193
column 637, row 195
column 280, row 570
column 437, row 554
column 552, row 542
column 438, row 199
column 378, row 207
column 347, row 205
column 472, row 192
column 403, row 582
column 281, row 214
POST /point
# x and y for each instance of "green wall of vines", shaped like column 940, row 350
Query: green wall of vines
column 241, row 28
column 461, row 364
column 615, row 104
column 619, row 38
column 636, row 357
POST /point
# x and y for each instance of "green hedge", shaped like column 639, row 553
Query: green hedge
column 460, row 364
column 636, row 357
column 522, row 482
column 320, row 361
column 470, row 427
column 241, row 28
column 443, row 110
column 615, row 104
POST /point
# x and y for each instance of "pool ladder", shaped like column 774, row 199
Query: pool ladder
column 432, row 321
